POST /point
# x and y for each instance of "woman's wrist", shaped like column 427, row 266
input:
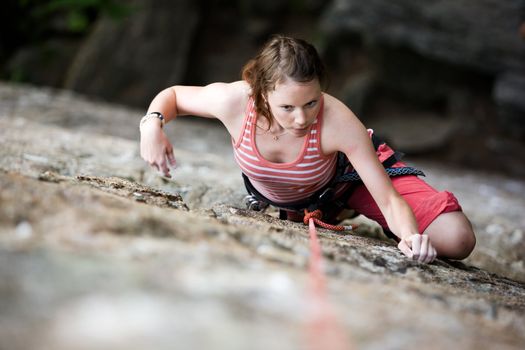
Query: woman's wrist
column 152, row 118
column 152, row 115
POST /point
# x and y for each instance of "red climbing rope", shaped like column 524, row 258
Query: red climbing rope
column 324, row 329
column 317, row 215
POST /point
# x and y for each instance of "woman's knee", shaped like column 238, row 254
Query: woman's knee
column 452, row 235
column 463, row 241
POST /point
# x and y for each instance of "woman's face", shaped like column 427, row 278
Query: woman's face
column 295, row 105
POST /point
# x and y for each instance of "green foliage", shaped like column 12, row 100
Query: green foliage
column 77, row 14
column 32, row 23
column 17, row 75
column 24, row 22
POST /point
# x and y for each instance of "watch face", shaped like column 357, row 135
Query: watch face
column 160, row 116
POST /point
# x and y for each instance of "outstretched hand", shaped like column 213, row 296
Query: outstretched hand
column 156, row 149
column 418, row 247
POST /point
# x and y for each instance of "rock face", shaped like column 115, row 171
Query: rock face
column 127, row 62
column 482, row 34
column 97, row 251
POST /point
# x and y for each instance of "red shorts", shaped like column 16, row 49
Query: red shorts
column 426, row 202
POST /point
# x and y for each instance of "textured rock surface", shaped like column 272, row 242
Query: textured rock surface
column 95, row 246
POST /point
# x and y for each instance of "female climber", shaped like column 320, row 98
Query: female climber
column 301, row 148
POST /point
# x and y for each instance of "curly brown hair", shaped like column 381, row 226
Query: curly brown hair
column 280, row 58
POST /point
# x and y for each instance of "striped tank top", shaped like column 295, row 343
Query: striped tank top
column 284, row 182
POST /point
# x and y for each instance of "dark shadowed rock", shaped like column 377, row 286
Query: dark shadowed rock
column 43, row 64
column 508, row 92
column 415, row 133
column 482, row 34
column 424, row 52
column 127, row 62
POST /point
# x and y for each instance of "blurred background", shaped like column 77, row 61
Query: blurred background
column 438, row 79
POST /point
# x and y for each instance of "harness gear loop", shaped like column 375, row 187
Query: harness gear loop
column 317, row 216
column 252, row 203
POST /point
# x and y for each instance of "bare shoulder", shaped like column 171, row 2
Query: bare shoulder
column 235, row 98
column 229, row 92
column 228, row 100
column 342, row 129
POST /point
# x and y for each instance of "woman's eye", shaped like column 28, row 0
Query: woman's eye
column 288, row 108
column 311, row 104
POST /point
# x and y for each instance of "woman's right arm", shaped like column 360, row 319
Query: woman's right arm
column 217, row 100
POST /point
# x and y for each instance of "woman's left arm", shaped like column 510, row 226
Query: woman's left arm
column 344, row 132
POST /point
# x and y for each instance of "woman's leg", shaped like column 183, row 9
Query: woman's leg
column 438, row 214
column 452, row 235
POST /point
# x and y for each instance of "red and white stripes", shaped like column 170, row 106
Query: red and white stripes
column 284, row 182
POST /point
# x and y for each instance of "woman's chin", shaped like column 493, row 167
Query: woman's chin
column 299, row 132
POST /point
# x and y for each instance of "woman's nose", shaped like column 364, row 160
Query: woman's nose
column 300, row 118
